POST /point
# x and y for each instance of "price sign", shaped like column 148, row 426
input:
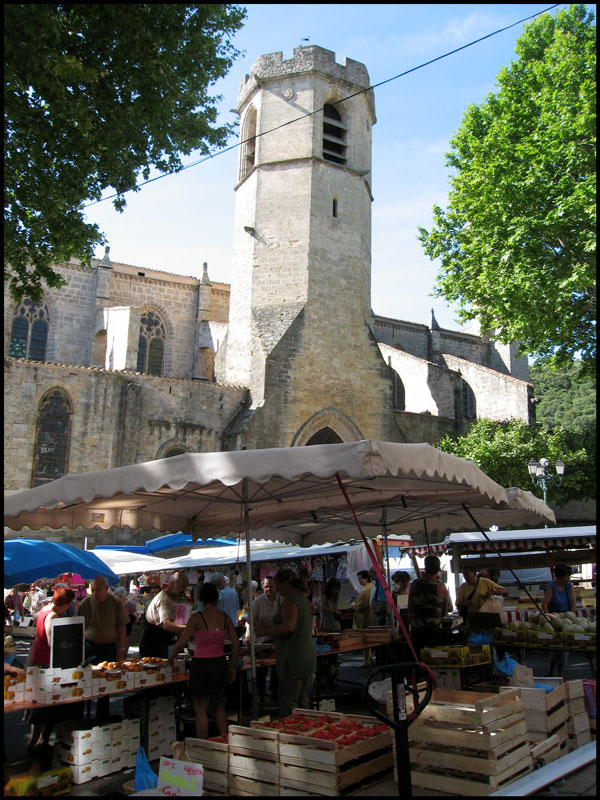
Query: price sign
column 180, row 778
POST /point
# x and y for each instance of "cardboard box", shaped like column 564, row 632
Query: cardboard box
column 84, row 773
column 78, row 753
column 50, row 783
column 75, row 732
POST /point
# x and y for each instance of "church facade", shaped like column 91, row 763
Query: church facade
column 125, row 364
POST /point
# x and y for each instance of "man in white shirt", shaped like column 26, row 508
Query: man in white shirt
column 263, row 610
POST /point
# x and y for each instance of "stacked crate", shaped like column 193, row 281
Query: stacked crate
column 469, row 743
column 253, row 761
column 214, row 757
column 546, row 713
column 578, row 724
column 316, row 767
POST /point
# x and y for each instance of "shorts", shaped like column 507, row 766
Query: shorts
column 209, row 677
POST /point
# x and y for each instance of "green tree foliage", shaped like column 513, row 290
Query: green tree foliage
column 94, row 96
column 517, row 241
column 566, row 398
column 503, row 449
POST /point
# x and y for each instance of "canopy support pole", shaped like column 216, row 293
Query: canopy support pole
column 249, row 589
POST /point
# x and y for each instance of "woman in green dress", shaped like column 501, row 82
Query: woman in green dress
column 295, row 651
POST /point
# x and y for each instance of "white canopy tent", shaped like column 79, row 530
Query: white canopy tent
column 411, row 487
column 123, row 563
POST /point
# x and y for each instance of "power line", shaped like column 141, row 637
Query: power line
column 312, row 113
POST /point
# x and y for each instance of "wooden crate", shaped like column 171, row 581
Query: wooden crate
column 538, row 699
column 577, row 706
column 239, row 785
column 257, row 742
column 258, row 769
column 212, row 755
column 574, row 689
column 577, row 740
column 578, row 724
column 540, row 736
column 322, row 767
column 546, row 721
column 469, row 743
column 546, row 751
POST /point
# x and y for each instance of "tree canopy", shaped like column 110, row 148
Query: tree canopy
column 503, row 449
column 566, row 398
column 94, row 96
column 517, row 241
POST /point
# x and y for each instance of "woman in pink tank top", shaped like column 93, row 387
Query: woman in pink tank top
column 210, row 673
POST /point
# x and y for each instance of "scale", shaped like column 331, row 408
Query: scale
column 405, row 679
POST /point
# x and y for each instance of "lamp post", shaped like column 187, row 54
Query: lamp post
column 541, row 475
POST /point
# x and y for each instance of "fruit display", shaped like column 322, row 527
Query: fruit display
column 559, row 629
column 344, row 732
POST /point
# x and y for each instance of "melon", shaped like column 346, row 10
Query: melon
column 571, row 615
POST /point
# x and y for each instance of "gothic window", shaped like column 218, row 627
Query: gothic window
column 334, row 135
column 469, row 408
column 248, row 156
column 29, row 332
column 398, row 394
column 52, row 439
column 151, row 345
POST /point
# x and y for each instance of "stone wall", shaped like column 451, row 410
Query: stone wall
column 118, row 417
column 497, row 396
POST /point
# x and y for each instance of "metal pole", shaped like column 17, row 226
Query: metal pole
column 249, row 585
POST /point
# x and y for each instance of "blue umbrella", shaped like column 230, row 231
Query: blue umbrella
column 26, row 560
column 172, row 540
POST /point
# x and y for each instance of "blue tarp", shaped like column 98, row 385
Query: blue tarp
column 26, row 560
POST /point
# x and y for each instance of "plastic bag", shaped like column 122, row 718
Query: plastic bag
column 494, row 605
column 377, row 689
column 506, row 666
column 481, row 638
column 144, row 777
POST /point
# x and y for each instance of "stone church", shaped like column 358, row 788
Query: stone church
column 126, row 364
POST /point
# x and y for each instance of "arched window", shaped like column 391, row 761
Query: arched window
column 151, row 344
column 398, row 393
column 52, row 439
column 469, row 407
column 248, row 155
column 29, row 332
column 334, row 135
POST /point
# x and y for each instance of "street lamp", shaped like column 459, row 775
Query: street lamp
column 541, row 475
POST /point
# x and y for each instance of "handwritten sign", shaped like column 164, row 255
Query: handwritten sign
column 180, row 778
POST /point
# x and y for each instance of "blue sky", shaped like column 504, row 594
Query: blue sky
column 180, row 221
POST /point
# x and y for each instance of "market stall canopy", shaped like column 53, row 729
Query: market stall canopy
column 206, row 493
column 569, row 537
column 125, row 563
column 27, row 560
column 172, row 540
column 221, row 556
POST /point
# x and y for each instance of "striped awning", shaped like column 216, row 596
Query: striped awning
column 512, row 541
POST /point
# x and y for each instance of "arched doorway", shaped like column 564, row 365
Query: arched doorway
column 324, row 436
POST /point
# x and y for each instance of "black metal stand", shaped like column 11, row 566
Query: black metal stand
column 404, row 678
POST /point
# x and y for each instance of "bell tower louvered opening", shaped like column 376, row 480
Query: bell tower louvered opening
column 334, row 135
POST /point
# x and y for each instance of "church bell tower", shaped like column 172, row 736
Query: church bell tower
column 299, row 329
